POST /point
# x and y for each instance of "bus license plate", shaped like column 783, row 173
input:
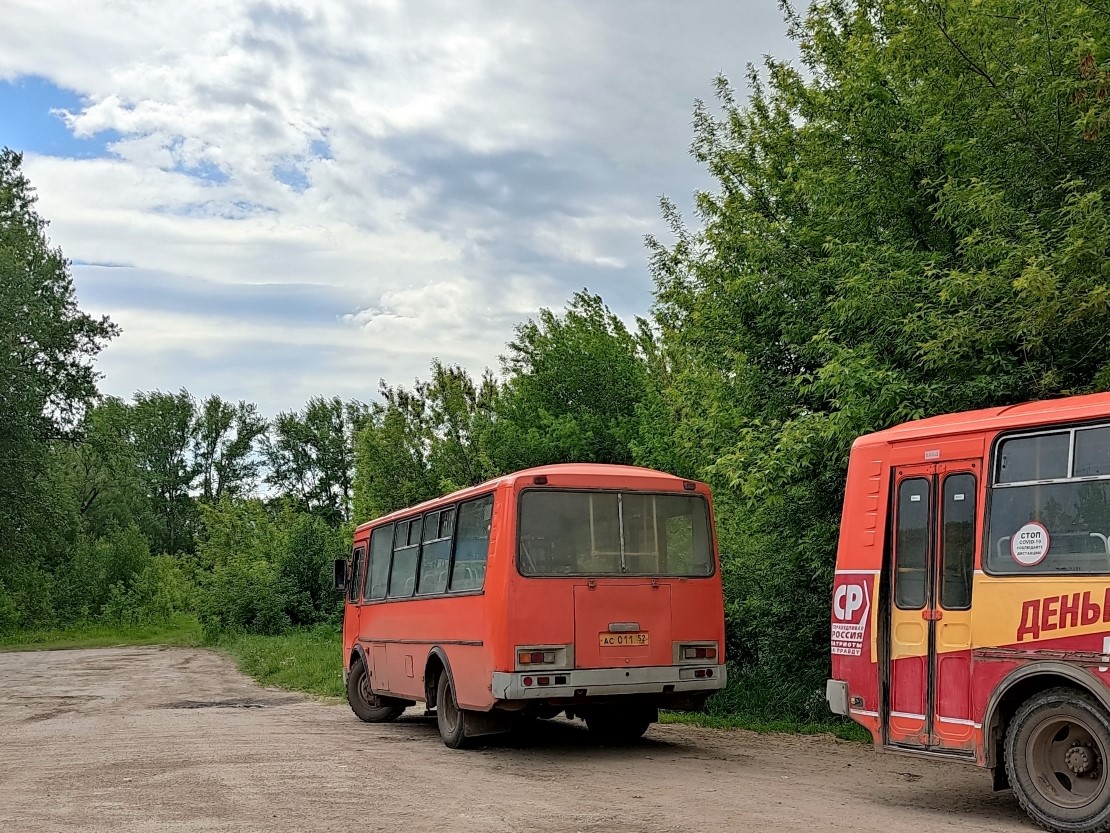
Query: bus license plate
column 613, row 640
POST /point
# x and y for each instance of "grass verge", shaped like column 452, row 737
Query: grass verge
column 844, row 730
column 308, row 660
column 180, row 630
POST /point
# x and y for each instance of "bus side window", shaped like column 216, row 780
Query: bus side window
column 468, row 571
column 435, row 560
column 381, row 546
column 911, row 543
column 406, row 550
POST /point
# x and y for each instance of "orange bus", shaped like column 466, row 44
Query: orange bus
column 586, row 589
column 971, row 602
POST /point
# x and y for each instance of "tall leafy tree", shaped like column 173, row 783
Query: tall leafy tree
column 225, row 447
column 423, row 442
column 915, row 220
column 310, row 455
column 104, row 472
column 47, row 345
column 573, row 382
column 162, row 426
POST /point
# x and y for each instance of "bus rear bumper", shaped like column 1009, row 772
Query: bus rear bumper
column 607, row 682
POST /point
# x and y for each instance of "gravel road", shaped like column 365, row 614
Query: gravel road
column 159, row 739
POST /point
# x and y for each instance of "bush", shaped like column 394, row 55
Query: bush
column 268, row 570
column 304, row 557
column 161, row 590
column 9, row 613
column 100, row 570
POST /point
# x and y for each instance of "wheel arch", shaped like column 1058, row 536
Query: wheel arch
column 1021, row 684
column 437, row 663
column 358, row 654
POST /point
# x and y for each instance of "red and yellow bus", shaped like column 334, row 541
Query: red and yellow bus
column 586, row 589
column 971, row 604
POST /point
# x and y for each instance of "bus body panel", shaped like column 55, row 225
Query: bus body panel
column 480, row 632
column 901, row 671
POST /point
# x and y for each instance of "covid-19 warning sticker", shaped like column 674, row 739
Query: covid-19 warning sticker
column 1029, row 545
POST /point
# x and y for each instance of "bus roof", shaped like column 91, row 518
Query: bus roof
column 1027, row 414
column 565, row 469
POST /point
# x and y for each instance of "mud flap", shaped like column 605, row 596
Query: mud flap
column 480, row 724
column 1000, row 780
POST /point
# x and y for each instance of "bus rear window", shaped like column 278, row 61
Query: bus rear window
column 566, row 533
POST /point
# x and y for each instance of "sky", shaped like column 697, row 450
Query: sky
column 277, row 200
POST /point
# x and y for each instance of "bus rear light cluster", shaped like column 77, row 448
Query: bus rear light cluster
column 536, row 657
column 702, row 673
column 528, row 681
column 699, row 652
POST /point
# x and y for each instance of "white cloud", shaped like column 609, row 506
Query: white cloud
column 366, row 147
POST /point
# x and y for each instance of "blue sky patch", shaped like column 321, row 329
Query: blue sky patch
column 28, row 121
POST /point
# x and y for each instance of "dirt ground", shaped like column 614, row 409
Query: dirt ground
column 159, row 739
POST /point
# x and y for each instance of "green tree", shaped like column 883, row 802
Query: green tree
column 424, row 442
column 162, row 430
column 573, row 383
column 47, row 345
column 103, row 471
column 913, row 221
column 225, row 438
column 310, row 455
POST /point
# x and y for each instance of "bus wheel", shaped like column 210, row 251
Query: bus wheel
column 1056, row 757
column 450, row 718
column 619, row 724
column 365, row 703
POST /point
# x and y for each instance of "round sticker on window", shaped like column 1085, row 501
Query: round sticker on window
column 1029, row 545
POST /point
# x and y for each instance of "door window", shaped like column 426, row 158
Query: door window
column 911, row 543
column 957, row 542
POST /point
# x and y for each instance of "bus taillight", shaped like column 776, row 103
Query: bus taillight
column 699, row 652
column 536, row 657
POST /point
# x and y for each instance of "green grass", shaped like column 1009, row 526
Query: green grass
column 180, row 630
column 305, row 660
column 844, row 730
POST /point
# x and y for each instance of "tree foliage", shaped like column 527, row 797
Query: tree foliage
column 310, row 455
column 47, row 345
column 573, row 382
column 913, row 221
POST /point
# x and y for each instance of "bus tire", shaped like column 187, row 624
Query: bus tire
column 449, row 717
column 1057, row 754
column 367, row 705
column 619, row 724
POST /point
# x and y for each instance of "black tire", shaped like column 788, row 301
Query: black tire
column 449, row 717
column 366, row 704
column 1056, row 750
column 620, row 724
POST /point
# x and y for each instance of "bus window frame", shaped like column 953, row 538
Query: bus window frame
column 710, row 527
column 989, row 485
column 358, row 582
column 447, row 594
column 942, row 543
column 453, row 508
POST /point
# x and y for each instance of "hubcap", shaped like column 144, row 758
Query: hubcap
column 1066, row 762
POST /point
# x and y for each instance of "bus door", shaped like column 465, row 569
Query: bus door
column 928, row 702
column 355, row 580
